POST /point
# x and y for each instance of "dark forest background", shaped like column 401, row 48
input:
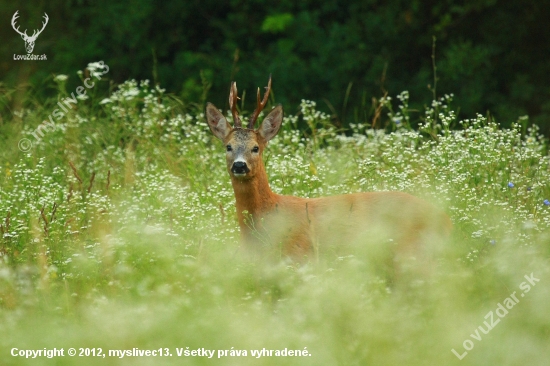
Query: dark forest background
column 493, row 55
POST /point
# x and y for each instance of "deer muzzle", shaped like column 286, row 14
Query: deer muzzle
column 239, row 168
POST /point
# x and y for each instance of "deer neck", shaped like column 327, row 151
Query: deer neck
column 253, row 195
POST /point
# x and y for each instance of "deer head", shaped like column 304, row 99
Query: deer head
column 29, row 40
column 244, row 146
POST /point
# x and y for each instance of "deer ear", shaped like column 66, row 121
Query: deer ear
column 271, row 123
column 217, row 122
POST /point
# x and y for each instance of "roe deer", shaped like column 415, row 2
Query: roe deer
column 300, row 227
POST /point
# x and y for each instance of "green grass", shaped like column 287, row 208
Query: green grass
column 137, row 246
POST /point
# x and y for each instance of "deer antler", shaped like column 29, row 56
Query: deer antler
column 233, row 96
column 43, row 26
column 260, row 105
column 13, row 20
column 35, row 34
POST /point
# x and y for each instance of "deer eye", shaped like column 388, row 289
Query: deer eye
column 229, row 148
column 255, row 149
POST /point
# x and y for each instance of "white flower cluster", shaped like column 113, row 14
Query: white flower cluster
column 168, row 181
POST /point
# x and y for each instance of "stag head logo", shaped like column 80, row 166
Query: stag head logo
column 29, row 40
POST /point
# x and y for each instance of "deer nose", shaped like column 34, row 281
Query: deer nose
column 239, row 167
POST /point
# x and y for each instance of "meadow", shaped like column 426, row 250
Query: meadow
column 119, row 232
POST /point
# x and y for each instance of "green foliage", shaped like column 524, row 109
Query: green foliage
column 277, row 23
column 340, row 54
column 119, row 231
